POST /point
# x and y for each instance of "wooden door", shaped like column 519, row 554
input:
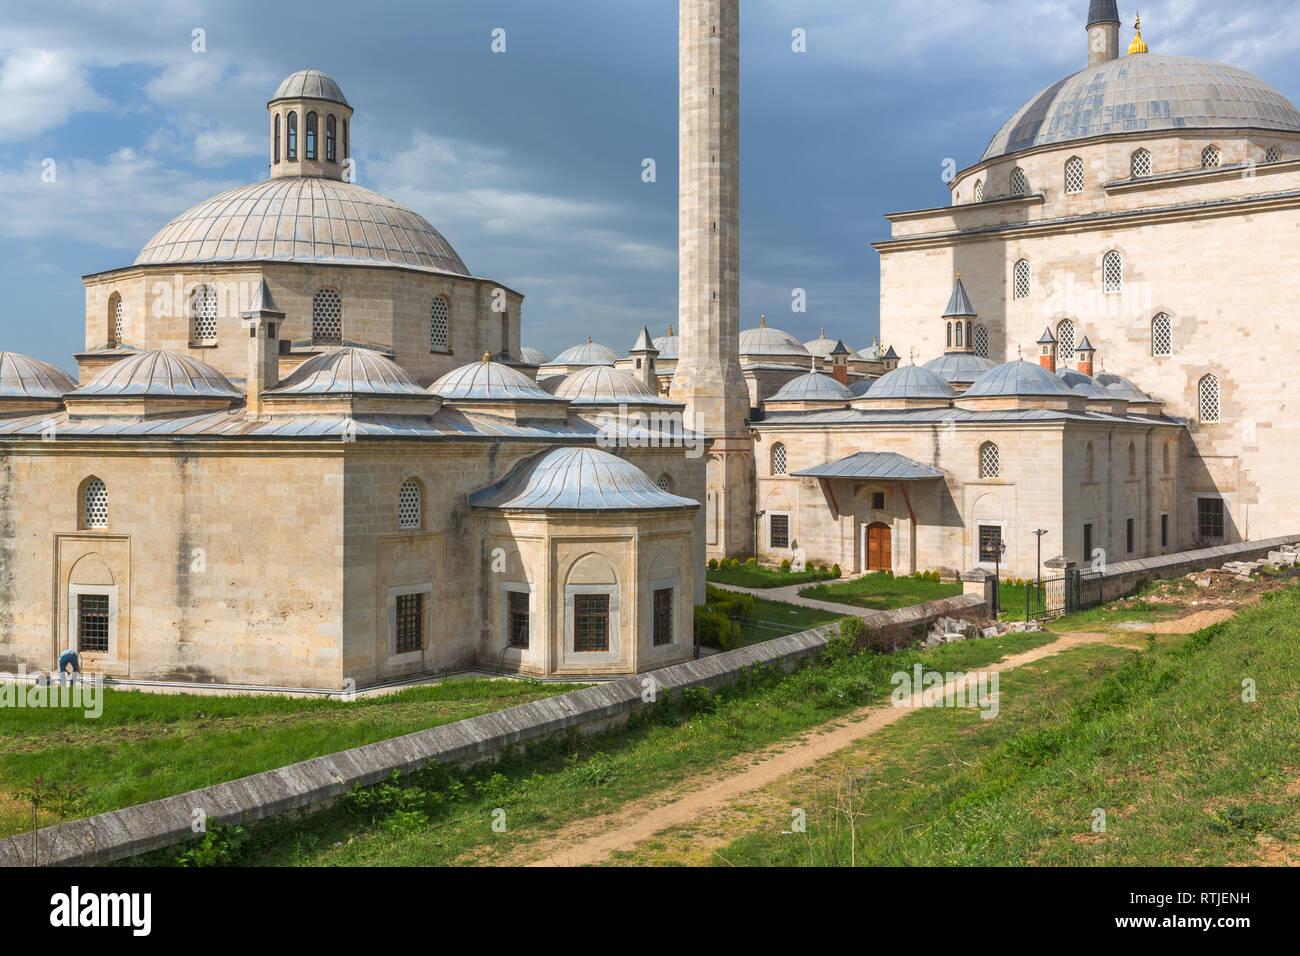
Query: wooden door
column 880, row 556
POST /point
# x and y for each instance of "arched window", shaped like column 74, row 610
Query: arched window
column 1019, row 182
column 1024, row 279
column 1074, row 175
column 948, row 341
column 778, row 459
column 115, row 319
column 293, row 137
column 346, row 154
column 327, row 318
column 1140, row 164
column 959, row 345
column 203, row 315
column 990, row 460
column 1132, row 460
column 94, row 504
column 439, row 325
column 1065, row 339
column 1211, row 157
column 1112, row 273
column 311, row 136
column 410, row 509
column 979, row 190
column 1162, row 336
column 981, row 341
column 1208, row 394
column 1090, row 459
column 1274, row 155
column 329, row 138
column 1164, row 455
column 275, row 152
column 664, row 483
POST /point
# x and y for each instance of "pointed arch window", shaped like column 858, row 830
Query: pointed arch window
column 327, row 318
column 1074, row 176
column 115, row 319
column 1162, row 336
column 439, row 325
column 778, row 459
column 1112, row 273
column 979, row 190
column 1019, row 182
column 94, row 504
column 275, row 150
column 1208, row 400
column 293, row 136
column 1024, row 279
column 1274, row 155
column 203, row 315
column 346, row 154
column 1211, row 157
column 331, row 129
column 1065, row 339
column 410, row 509
column 1140, row 164
column 311, row 136
column 664, row 483
column 990, row 460
column 981, row 341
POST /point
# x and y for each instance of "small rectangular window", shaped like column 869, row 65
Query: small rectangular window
column 1209, row 517
column 591, row 623
column 1087, row 543
column 779, row 526
column 990, row 543
column 410, row 623
column 663, row 617
column 1130, row 534
column 877, row 501
column 92, row 623
column 518, row 620
column 1164, row 531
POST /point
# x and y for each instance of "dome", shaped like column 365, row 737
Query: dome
column 911, row 381
column 668, row 347
column 1143, row 93
column 963, row 367
column 1083, row 385
column 303, row 219
column 532, row 356
column 1120, row 387
column 765, row 341
column 602, row 385
column 1019, row 379
column 821, row 347
column 349, row 371
column 159, row 373
column 813, row 387
column 489, row 382
column 309, row 84
column 588, row 353
column 861, row 388
column 577, row 479
column 23, row 377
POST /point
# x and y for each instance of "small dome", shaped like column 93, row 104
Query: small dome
column 872, row 353
column 861, row 388
column 349, row 371
column 602, row 385
column 532, row 356
column 813, row 387
column 309, row 84
column 160, row 374
column 1021, row 379
column 23, row 377
column 1083, row 385
column 588, row 353
column 668, row 346
column 765, row 341
column 961, row 367
column 821, row 347
column 577, row 479
column 911, row 381
column 1121, row 387
column 489, row 382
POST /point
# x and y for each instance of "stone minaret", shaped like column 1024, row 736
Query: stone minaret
column 707, row 378
column 1103, row 32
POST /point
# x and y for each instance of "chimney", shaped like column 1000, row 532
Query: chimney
column 840, row 363
column 1103, row 32
column 1047, row 355
column 643, row 355
column 1086, row 354
column 263, row 321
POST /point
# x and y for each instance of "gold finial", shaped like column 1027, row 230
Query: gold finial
column 958, row 273
column 589, row 340
column 762, row 321
column 1138, row 45
column 487, row 356
column 670, row 330
column 823, row 333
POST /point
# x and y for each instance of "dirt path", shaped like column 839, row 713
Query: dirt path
column 642, row 819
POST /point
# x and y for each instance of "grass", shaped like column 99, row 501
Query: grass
column 442, row 815
column 747, row 576
column 883, row 591
column 147, row 746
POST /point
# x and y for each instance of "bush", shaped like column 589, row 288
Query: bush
column 752, row 563
column 735, row 562
column 714, row 628
column 836, row 572
column 713, row 564
column 785, row 566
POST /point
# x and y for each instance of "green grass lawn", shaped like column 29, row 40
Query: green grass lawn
column 146, row 746
column 747, row 576
column 882, row 591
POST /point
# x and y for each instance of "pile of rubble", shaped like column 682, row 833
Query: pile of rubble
column 948, row 630
column 1287, row 557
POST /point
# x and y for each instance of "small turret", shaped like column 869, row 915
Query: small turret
column 1086, row 354
column 310, row 121
column 644, row 354
column 1047, row 350
column 840, row 363
column 959, row 318
column 263, row 321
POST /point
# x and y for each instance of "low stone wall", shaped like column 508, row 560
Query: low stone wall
column 1120, row 579
column 313, row 783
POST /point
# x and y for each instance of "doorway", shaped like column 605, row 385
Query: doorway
column 877, row 546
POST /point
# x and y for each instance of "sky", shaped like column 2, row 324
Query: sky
column 529, row 161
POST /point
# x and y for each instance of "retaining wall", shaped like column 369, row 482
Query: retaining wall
column 1119, row 579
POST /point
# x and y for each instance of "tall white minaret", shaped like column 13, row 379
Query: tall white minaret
column 1103, row 32
column 708, row 377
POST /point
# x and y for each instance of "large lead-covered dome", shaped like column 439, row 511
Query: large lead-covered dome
column 303, row 219
column 1142, row 93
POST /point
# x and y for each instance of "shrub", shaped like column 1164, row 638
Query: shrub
column 713, row 564
column 785, row 566
column 836, row 571
column 752, row 562
column 714, row 628
column 735, row 562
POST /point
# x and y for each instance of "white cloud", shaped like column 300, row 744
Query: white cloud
column 40, row 89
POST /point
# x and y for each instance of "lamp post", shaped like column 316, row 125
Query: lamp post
column 758, row 519
column 1039, row 534
column 1000, row 550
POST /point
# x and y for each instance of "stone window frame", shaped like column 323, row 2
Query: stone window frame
column 115, row 318
column 610, row 656
column 1023, row 279
column 1130, row 535
column 510, row 654
column 203, row 297
column 445, row 347
column 84, row 521
column 990, row 460
column 1225, row 516
column 311, row 130
column 291, row 146
column 789, row 531
column 1075, row 177
column 1067, row 335
column 318, row 296
column 1090, row 462
column 979, row 190
column 780, row 460
column 1019, row 182
column 980, row 341
column 275, row 149
column 673, row 584
column 1164, row 530
column 1211, row 157
column 331, row 139
column 1209, row 400
column 977, row 556
column 409, row 657
column 665, row 483
column 75, row 591
column 1162, row 335
column 1139, row 164
column 1132, row 459
column 1273, row 154
column 403, row 505
column 1112, row 272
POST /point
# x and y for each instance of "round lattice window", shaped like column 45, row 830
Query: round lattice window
column 778, row 460
column 439, row 325
column 990, row 460
column 203, row 314
column 95, row 512
column 327, row 318
column 408, row 506
column 1024, row 279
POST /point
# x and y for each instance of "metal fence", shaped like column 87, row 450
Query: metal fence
column 1076, row 591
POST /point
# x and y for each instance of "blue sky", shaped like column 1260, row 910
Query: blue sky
column 530, row 161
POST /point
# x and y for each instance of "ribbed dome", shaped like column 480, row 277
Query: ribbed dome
column 765, row 341
column 911, row 381
column 1082, row 384
column 961, row 367
column 577, row 479
column 588, row 353
column 303, row 219
column 861, row 388
column 23, row 377
column 349, row 371
column 489, row 382
column 311, row 84
column 821, row 347
column 602, row 385
column 159, row 373
column 668, row 346
column 1143, row 93
column 813, row 387
column 1121, row 387
column 533, row 356
column 1020, row 379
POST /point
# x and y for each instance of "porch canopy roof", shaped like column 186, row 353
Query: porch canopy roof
column 875, row 465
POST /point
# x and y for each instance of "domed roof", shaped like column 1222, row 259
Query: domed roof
column 588, row 353
column 23, row 377
column 821, row 347
column 303, row 219
column 1142, row 93
column 1082, row 384
column 765, row 341
column 1018, row 379
column 349, row 371
column 1121, row 387
column 489, row 382
column 309, row 84
column 963, row 367
column 813, row 387
column 911, row 381
column 668, row 346
column 159, row 373
column 577, row 479
column 533, row 356
column 861, row 388
column 602, row 385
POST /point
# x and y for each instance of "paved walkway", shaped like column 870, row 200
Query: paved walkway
column 790, row 595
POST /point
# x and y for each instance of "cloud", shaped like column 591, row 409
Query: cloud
column 40, row 89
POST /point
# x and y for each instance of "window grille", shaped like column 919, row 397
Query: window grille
column 1019, row 182
column 1074, row 176
column 96, row 504
column 778, row 460
column 92, row 623
column 663, row 617
column 1024, row 279
column 664, row 483
column 779, row 531
column 1209, row 400
column 1140, row 164
column 1274, row 155
column 327, row 318
column 1209, row 517
column 590, row 623
column 117, row 320
column 1211, row 157
column 1162, row 337
column 1065, row 338
column 518, row 623
column 990, row 460
column 1113, row 273
column 990, row 543
column 408, row 506
column 203, row 314
column 439, row 325
column 410, row 623
column 979, row 191
column 981, row 341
